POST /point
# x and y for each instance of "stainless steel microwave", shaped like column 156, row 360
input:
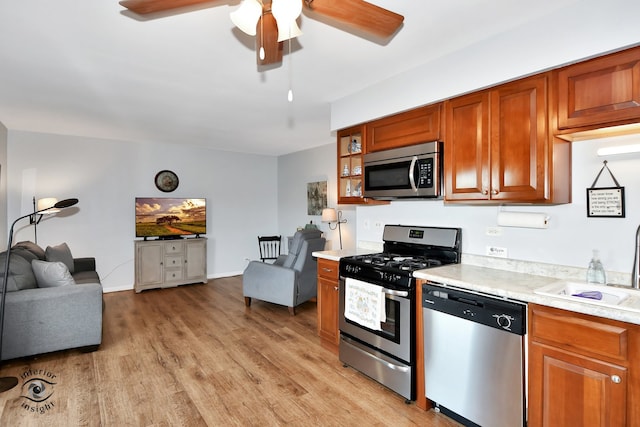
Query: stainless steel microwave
column 414, row 171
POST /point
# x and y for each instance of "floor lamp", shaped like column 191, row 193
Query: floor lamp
column 329, row 215
column 7, row 383
column 35, row 219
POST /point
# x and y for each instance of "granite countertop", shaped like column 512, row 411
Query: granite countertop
column 515, row 280
column 335, row 255
column 520, row 286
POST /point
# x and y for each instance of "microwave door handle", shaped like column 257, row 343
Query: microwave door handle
column 412, row 179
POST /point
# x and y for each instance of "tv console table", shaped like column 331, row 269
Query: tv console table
column 170, row 263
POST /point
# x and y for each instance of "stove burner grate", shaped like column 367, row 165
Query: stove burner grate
column 397, row 262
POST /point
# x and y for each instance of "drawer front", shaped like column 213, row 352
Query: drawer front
column 328, row 269
column 173, row 262
column 173, row 248
column 173, row 274
column 579, row 333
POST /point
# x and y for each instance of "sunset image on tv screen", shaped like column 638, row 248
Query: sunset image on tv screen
column 163, row 216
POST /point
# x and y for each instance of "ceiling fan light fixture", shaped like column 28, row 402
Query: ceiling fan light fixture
column 291, row 31
column 246, row 16
column 286, row 12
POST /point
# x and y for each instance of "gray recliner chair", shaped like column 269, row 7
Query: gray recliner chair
column 291, row 279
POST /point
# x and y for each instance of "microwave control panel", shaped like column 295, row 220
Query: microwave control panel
column 425, row 173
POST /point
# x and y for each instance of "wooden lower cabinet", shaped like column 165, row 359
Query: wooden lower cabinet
column 328, row 294
column 576, row 390
column 583, row 370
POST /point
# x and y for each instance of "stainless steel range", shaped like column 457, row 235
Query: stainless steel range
column 377, row 302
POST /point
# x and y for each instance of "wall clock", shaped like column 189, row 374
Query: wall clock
column 166, row 181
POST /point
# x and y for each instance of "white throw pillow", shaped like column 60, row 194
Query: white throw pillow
column 51, row 274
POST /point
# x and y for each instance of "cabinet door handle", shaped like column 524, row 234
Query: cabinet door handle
column 336, row 288
column 328, row 270
column 485, row 191
column 494, row 192
column 616, row 379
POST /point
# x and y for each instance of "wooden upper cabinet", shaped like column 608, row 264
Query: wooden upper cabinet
column 519, row 140
column 600, row 92
column 408, row 128
column 466, row 147
column 497, row 146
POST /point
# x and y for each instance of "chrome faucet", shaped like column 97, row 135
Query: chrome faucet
column 635, row 275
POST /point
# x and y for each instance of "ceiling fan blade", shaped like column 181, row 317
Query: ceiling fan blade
column 267, row 37
column 358, row 14
column 143, row 7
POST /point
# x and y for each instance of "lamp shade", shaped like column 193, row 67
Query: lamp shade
column 286, row 12
column 47, row 202
column 329, row 215
column 247, row 15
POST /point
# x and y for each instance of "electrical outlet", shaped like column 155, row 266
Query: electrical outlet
column 496, row 251
column 493, row 231
column 377, row 224
column 366, row 224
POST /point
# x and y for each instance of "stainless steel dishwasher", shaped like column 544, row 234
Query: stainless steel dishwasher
column 474, row 356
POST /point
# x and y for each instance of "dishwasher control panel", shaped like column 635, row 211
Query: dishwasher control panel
column 507, row 315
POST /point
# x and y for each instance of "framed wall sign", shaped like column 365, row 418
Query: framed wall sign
column 605, row 202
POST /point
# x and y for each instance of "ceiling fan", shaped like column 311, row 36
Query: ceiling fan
column 352, row 15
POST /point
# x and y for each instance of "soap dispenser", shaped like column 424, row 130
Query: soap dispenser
column 595, row 272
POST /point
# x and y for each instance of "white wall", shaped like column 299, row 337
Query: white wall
column 107, row 175
column 569, row 240
column 571, row 236
column 294, row 172
column 3, row 186
column 586, row 29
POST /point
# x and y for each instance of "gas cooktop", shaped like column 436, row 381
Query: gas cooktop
column 406, row 249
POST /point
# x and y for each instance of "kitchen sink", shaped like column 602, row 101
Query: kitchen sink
column 591, row 294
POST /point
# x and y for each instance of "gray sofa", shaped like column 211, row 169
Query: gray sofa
column 291, row 279
column 42, row 319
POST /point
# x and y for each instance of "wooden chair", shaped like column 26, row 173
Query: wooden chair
column 269, row 247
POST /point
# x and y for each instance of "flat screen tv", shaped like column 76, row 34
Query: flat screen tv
column 170, row 218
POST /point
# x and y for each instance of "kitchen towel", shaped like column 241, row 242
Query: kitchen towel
column 364, row 304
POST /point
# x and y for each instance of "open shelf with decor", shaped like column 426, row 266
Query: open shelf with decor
column 350, row 151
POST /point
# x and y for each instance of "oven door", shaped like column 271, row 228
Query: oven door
column 395, row 335
column 414, row 176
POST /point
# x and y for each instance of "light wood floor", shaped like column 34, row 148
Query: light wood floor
column 195, row 356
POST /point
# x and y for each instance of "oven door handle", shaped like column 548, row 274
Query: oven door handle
column 412, row 179
column 395, row 293
column 385, row 361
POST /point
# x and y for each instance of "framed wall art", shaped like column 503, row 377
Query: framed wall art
column 316, row 197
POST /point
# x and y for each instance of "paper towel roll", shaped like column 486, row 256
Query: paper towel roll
column 523, row 219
